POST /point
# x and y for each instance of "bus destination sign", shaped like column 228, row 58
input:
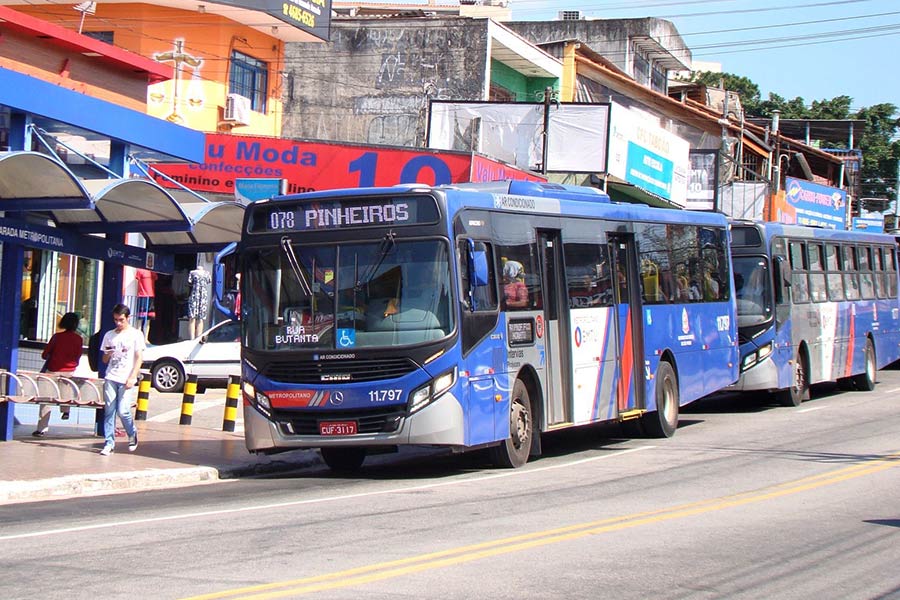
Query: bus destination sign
column 346, row 213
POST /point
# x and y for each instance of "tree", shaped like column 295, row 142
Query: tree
column 879, row 141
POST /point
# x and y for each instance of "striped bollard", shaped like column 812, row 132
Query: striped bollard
column 231, row 402
column 187, row 400
column 143, row 400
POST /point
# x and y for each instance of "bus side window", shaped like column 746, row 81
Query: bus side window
column 799, row 279
column 817, row 287
column 866, row 283
column 850, row 267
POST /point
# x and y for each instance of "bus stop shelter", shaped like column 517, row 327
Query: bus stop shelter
column 45, row 205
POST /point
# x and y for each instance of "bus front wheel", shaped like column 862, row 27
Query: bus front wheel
column 663, row 422
column 865, row 381
column 799, row 390
column 514, row 451
column 343, row 459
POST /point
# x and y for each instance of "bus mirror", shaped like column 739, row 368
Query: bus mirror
column 782, row 279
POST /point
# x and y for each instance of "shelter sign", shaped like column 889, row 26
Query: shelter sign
column 53, row 238
column 248, row 190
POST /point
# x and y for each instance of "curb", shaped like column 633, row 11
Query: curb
column 103, row 483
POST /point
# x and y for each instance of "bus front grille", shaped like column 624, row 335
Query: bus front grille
column 383, row 420
column 338, row 371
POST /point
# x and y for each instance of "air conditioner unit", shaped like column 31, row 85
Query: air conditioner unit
column 237, row 109
column 570, row 15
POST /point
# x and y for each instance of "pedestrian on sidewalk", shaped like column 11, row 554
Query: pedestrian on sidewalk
column 61, row 354
column 122, row 349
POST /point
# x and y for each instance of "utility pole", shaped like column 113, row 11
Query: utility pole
column 548, row 95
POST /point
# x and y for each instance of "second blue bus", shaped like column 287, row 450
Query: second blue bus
column 814, row 305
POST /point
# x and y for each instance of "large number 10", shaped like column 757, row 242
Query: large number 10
column 367, row 164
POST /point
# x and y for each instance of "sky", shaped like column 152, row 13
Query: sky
column 814, row 49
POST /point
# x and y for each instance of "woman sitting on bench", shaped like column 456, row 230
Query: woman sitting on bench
column 62, row 354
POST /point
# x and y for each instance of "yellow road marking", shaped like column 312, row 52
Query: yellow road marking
column 464, row 554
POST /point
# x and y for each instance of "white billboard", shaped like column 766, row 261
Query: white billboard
column 513, row 132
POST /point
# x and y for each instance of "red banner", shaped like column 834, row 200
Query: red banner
column 312, row 166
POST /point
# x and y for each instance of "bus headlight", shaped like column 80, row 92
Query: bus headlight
column 757, row 356
column 259, row 399
column 427, row 393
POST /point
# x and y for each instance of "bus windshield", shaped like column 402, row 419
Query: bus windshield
column 753, row 288
column 345, row 296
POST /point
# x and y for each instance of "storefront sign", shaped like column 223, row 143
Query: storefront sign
column 872, row 224
column 646, row 155
column 314, row 166
column 703, row 184
column 312, row 16
column 87, row 246
column 808, row 203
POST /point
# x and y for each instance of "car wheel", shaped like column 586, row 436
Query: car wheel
column 167, row 376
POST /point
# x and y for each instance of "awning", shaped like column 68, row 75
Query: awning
column 619, row 191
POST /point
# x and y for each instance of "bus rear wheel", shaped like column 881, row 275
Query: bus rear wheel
column 514, row 451
column 343, row 459
column 663, row 422
column 865, row 381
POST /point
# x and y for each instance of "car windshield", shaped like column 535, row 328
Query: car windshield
column 753, row 287
column 341, row 297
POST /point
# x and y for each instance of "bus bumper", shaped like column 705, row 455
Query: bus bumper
column 761, row 376
column 440, row 423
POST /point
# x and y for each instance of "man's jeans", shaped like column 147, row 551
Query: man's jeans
column 116, row 400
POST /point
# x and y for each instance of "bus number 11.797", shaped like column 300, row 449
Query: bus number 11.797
column 385, row 395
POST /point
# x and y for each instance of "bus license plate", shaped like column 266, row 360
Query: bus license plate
column 338, row 428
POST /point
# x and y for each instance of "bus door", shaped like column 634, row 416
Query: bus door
column 556, row 326
column 627, row 298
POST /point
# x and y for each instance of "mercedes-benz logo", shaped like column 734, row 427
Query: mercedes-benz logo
column 337, row 398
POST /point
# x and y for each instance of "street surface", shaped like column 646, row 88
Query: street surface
column 748, row 500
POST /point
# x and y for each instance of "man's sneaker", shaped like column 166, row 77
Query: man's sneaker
column 132, row 442
column 39, row 432
column 107, row 450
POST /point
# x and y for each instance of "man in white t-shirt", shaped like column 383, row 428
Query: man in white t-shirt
column 122, row 349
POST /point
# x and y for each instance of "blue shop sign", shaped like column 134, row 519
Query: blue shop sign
column 649, row 171
column 815, row 204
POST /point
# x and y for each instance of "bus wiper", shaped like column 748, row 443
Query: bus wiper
column 295, row 265
column 387, row 244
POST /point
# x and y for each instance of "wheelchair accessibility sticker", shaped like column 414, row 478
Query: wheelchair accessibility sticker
column 346, row 337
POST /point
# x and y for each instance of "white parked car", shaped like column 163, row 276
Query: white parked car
column 212, row 357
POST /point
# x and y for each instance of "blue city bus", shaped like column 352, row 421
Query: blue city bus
column 475, row 316
column 814, row 305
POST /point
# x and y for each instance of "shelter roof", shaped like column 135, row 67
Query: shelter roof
column 41, row 185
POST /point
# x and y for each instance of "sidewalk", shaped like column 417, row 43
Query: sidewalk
column 66, row 462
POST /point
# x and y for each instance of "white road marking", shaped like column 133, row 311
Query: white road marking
column 330, row 499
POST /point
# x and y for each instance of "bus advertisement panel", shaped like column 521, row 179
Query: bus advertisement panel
column 476, row 316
